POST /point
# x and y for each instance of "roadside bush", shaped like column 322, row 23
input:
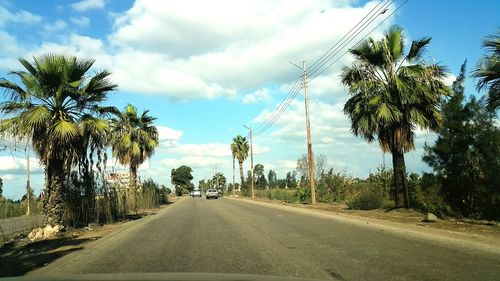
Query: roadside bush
column 304, row 195
column 9, row 208
column 426, row 195
column 367, row 200
column 334, row 187
column 286, row 195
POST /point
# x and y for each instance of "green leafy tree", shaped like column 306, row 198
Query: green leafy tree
column 291, row 179
column 220, row 180
column 260, row 178
column 271, row 179
column 1, row 187
column 488, row 70
column 393, row 93
column 58, row 107
column 134, row 138
column 181, row 178
column 240, row 148
column 466, row 156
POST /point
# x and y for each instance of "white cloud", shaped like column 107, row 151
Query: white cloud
column 257, row 96
column 17, row 165
column 22, row 17
column 9, row 177
column 80, row 21
column 88, row 5
column 449, row 79
column 166, row 133
column 196, row 50
column 55, row 26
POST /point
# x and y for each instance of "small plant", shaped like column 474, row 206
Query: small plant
column 367, row 200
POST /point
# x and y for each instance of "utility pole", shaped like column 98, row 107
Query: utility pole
column 310, row 158
column 28, row 187
column 251, row 160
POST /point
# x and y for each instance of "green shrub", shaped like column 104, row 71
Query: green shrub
column 286, row 195
column 334, row 187
column 367, row 200
column 426, row 195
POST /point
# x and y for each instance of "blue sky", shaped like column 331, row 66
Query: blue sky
column 205, row 68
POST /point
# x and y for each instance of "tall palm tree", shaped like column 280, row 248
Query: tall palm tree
column 488, row 70
column 134, row 139
column 58, row 108
column 240, row 149
column 233, row 153
column 393, row 93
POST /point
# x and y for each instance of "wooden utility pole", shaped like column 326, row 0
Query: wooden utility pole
column 28, row 187
column 310, row 157
column 309, row 145
column 251, row 161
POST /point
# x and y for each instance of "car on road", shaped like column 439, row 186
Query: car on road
column 196, row 193
column 212, row 193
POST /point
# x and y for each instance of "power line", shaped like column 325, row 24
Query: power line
column 354, row 29
column 352, row 36
column 348, row 37
column 280, row 113
column 280, row 109
column 357, row 43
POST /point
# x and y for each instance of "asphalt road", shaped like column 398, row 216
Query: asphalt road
column 231, row 236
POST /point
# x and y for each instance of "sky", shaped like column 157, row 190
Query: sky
column 206, row 68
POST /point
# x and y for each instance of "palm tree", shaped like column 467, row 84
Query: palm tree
column 134, row 139
column 58, row 108
column 240, row 148
column 393, row 93
column 488, row 71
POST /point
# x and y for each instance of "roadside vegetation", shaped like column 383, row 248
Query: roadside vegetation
column 393, row 92
column 60, row 109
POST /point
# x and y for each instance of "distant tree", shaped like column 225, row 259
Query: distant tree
column 281, row 183
column 271, row 179
column 291, row 179
column 260, row 178
column 202, row 185
column 466, row 156
column 1, row 187
column 488, row 70
column 181, row 178
column 320, row 164
column 303, row 167
column 239, row 149
column 393, row 92
column 219, row 180
column 248, row 181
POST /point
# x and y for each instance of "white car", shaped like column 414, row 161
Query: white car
column 196, row 193
column 212, row 193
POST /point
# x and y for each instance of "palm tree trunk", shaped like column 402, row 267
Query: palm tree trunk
column 401, row 196
column 233, row 177
column 241, row 174
column 54, row 202
column 133, row 186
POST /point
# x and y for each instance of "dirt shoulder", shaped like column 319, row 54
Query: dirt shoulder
column 21, row 255
column 411, row 220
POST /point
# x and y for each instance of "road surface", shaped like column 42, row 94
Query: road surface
column 234, row 236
